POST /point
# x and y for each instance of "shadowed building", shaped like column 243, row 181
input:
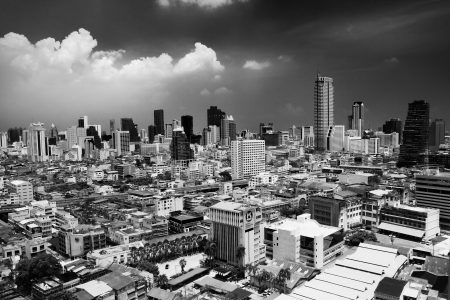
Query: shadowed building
column 323, row 110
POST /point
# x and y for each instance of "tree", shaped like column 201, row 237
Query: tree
column 360, row 236
column 41, row 266
column 65, row 295
column 225, row 175
column 149, row 267
column 161, row 281
column 182, row 264
column 282, row 277
column 265, row 277
column 240, row 254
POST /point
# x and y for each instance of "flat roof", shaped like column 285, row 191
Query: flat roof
column 95, row 287
column 227, row 205
column 309, row 228
column 187, row 276
column 402, row 229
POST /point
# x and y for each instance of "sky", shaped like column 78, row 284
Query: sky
column 255, row 59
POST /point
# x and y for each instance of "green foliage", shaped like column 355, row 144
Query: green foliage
column 65, row 295
column 182, row 264
column 357, row 237
column 287, row 212
column 149, row 267
column 39, row 267
column 225, row 175
column 162, row 281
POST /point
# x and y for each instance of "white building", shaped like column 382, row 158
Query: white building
column 247, row 158
column 23, row 189
column 122, row 142
column 37, row 147
column 235, row 225
column 303, row 240
column 262, row 179
column 335, row 138
column 323, row 110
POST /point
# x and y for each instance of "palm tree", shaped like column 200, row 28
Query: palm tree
column 265, row 277
column 182, row 264
column 161, row 281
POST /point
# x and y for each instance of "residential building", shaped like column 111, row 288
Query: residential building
column 23, row 189
column 247, row 158
column 235, row 225
column 303, row 240
column 323, row 110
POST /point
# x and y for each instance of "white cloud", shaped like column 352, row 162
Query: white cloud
column 58, row 74
column 255, row 65
column 205, row 93
column 284, row 58
column 223, row 91
column 211, row 4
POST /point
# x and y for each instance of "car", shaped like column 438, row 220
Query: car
column 167, row 266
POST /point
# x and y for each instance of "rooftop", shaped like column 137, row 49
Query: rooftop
column 309, row 228
column 390, row 286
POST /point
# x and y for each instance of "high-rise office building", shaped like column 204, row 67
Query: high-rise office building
column 37, row 146
column 307, row 136
column 121, row 142
column 187, row 122
column 127, row 124
column 112, row 126
column 357, row 117
column 335, row 138
column 158, row 115
column 227, row 130
column 215, row 116
column 180, row 147
column 437, row 134
column 211, row 135
column 415, row 134
column 168, row 131
column 14, row 134
column 433, row 191
column 151, row 133
column 248, row 158
column 83, row 122
column 323, row 110
column 394, row 125
column 236, row 226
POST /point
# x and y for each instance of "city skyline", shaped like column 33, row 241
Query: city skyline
column 261, row 69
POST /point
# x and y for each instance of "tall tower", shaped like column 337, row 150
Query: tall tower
column 437, row 134
column 248, row 158
column 187, row 122
column 180, row 148
column 415, row 134
column 214, row 116
column 158, row 115
column 37, row 143
column 228, row 130
column 357, row 117
column 83, row 122
column 323, row 110
column 127, row 124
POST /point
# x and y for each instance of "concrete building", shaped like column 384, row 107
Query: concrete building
column 303, row 240
column 247, row 158
column 323, row 110
column 23, row 189
column 433, row 191
column 227, row 130
column 335, row 138
column 357, row 117
column 184, row 223
column 121, row 142
column 77, row 241
column 37, row 144
column 410, row 222
column 235, row 225
column 307, row 136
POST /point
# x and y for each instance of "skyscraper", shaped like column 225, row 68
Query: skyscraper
column 394, row 125
column 323, row 110
column 227, row 130
column 357, row 117
column 437, row 134
column 214, row 116
column 415, row 133
column 168, row 131
column 307, row 136
column 112, row 126
column 151, row 133
column 187, row 122
column 127, row 124
column 158, row 115
column 335, row 138
column 83, row 122
column 248, row 158
column 180, row 148
column 122, row 142
column 37, row 147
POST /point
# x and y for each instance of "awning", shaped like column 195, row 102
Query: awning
column 402, row 230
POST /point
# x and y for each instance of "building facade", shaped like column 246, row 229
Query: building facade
column 247, row 158
column 323, row 110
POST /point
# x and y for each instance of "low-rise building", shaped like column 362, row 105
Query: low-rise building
column 303, row 240
column 77, row 241
column 184, row 223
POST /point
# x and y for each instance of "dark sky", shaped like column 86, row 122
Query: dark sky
column 255, row 59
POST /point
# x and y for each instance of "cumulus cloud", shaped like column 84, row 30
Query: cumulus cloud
column 223, row 91
column 54, row 71
column 255, row 65
column 205, row 93
column 201, row 3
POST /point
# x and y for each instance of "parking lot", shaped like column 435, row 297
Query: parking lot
column 192, row 261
